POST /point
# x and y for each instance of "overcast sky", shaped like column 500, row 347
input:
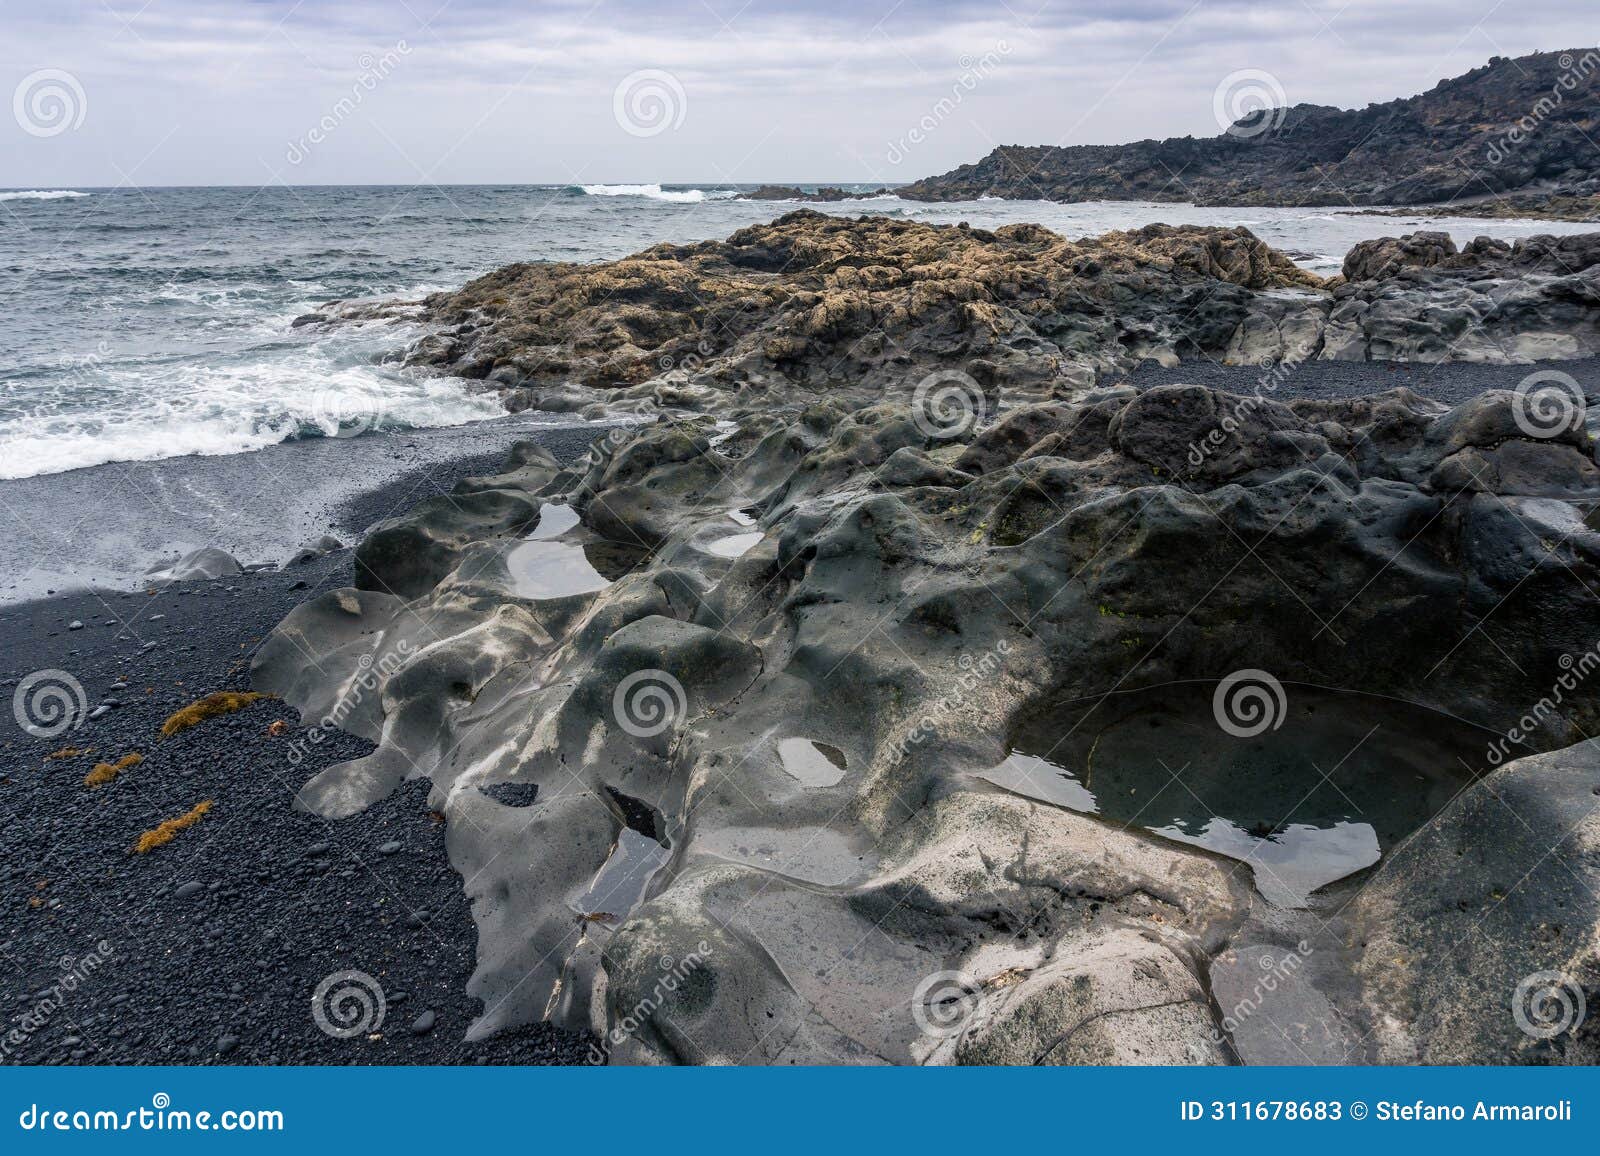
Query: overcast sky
column 161, row 92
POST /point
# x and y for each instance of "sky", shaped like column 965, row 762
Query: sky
column 252, row 92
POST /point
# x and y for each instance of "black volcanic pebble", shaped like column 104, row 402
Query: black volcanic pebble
column 512, row 794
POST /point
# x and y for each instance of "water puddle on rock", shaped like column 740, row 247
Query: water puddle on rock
column 1340, row 780
column 814, row 764
column 620, row 884
column 735, row 545
column 552, row 570
column 560, row 559
column 554, row 521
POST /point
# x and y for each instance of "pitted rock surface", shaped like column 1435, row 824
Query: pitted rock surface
column 911, row 595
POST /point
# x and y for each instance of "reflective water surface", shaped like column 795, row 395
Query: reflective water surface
column 1340, row 779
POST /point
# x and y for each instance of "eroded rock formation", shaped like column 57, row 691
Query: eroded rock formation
column 716, row 717
column 850, row 311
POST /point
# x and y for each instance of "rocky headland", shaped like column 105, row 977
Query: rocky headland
column 1528, row 123
column 824, row 194
column 813, row 307
column 818, row 720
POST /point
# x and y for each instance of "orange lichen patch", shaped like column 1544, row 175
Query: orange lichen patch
column 168, row 830
column 68, row 753
column 222, row 702
column 103, row 773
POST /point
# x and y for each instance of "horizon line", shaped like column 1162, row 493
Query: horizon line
column 37, row 188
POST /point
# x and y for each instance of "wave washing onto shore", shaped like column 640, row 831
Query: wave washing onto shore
column 41, row 195
column 657, row 193
column 157, row 322
column 235, row 407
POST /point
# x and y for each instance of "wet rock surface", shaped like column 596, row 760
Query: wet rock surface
column 919, row 587
column 207, row 562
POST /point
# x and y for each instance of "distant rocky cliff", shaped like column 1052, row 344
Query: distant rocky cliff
column 1526, row 124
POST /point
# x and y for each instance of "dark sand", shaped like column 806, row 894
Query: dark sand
column 225, row 974
column 106, row 526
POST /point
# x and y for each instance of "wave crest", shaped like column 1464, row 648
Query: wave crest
column 657, row 193
column 41, row 195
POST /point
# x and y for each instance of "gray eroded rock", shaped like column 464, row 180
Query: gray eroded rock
column 1480, row 940
column 197, row 565
column 413, row 552
column 609, row 748
column 324, row 545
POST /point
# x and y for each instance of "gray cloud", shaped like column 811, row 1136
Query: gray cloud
column 401, row 91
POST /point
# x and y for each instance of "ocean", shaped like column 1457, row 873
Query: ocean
column 153, row 323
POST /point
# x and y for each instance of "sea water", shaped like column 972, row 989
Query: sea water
column 153, row 323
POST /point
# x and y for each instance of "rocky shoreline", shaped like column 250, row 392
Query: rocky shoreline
column 985, row 648
column 822, row 308
column 824, row 194
column 1576, row 205
column 735, row 723
column 302, row 878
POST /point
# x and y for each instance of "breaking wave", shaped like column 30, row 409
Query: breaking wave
column 657, row 193
column 41, row 195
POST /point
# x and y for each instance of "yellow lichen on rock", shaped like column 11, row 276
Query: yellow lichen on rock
column 819, row 283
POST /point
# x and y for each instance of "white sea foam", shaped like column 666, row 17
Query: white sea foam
column 177, row 352
column 173, row 409
column 41, row 195
column 657, row 193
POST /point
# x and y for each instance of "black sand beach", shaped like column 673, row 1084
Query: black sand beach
column 107, row 525
column 208, row 949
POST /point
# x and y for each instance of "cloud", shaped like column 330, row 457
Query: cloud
column 221, row 91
